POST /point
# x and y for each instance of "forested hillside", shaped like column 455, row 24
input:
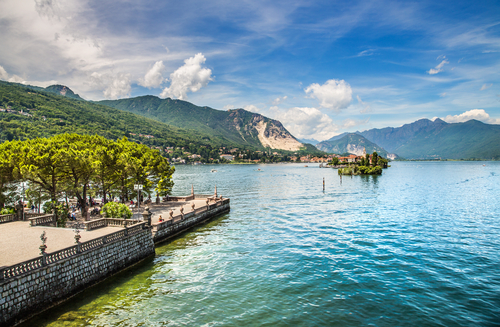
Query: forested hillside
column 28, row 113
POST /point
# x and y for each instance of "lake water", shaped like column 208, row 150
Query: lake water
column 417, row 246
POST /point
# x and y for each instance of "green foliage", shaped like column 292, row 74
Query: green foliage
column 60, row 209
column 69, row 163
column 360, row 170
column 7, row 211
column 374, row 159
column 335, row 161
column 116, row 210
column 53, row 114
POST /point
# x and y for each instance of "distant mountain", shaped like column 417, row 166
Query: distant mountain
column 62, row 90
column 309, row 141
column 351, row 143
column 426, row 139
column 237, row 126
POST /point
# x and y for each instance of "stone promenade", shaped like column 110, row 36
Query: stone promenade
column 20, row 242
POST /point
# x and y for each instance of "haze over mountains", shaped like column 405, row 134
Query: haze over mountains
column 179, row 122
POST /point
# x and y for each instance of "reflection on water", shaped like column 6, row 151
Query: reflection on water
column 418, row 246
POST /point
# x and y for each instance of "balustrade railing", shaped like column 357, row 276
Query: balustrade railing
column 44, row 220
column 49, row 258
column 175, row 219
column 104, row 222
column 7, row 218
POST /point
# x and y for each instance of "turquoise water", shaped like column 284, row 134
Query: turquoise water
column 417, row 246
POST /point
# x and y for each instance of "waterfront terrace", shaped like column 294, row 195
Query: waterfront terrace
column 43, row 265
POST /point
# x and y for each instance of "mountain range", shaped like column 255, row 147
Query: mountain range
column 30, row 111
column 352, row 143
column 423, row 139
column 237, row 125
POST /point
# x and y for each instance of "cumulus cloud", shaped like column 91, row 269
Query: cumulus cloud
column 486, row 86
column 14, row 78
column 365, row 106
column 307, row 123
column 334, row 94
column 154, row 77
column 3, row 74
column 251, row 108
column 279, row 100
column 228, row 106
column 116, row 86
column 438, row 68
column 190, row 77
column 348, row 123
column 478, row 114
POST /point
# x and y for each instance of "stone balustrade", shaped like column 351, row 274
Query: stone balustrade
column 28, row 215
column 174, row 224
column 49, row 258
column 7, row 218
column 105, row 222
column 45, row 220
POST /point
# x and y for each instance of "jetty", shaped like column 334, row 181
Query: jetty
column 42, row 265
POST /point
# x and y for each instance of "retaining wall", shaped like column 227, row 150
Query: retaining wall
column 171, row 227
column 31, row 287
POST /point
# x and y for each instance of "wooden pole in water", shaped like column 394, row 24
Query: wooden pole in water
column 323, row 184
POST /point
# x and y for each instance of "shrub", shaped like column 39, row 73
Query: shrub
column 116, row 210
column 7, row 211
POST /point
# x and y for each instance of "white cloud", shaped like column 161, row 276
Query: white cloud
column 485, row 86
column 119, row 87
column 438, row 68
column 14, row 78
column 3, row 74
column 366, row 53
column 189, row 77
column 279, row 100
column 334, row 94
column 116, row 86
column 478, row 114
column 348, row 123
column 365, row 106
column 442, row 95
column 251, row 108
column 154, row 77
column 228, row 106
column 307, row 123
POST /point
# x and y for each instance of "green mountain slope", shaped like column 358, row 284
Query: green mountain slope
column 237, row 126
column 425, row 139
column 29, row 112
column 351, row 143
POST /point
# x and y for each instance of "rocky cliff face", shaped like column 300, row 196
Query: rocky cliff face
column 270, row 133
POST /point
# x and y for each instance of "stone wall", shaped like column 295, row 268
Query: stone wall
column 24, row 293
column 171, row 227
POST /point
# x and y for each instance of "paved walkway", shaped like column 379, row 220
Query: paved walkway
column 20, row 242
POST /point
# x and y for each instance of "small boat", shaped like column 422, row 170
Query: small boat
column 305, row 166
column 213, row 171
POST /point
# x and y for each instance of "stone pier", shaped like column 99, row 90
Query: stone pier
column 42, row 265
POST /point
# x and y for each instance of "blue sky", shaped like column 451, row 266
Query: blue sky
column 320, row 67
